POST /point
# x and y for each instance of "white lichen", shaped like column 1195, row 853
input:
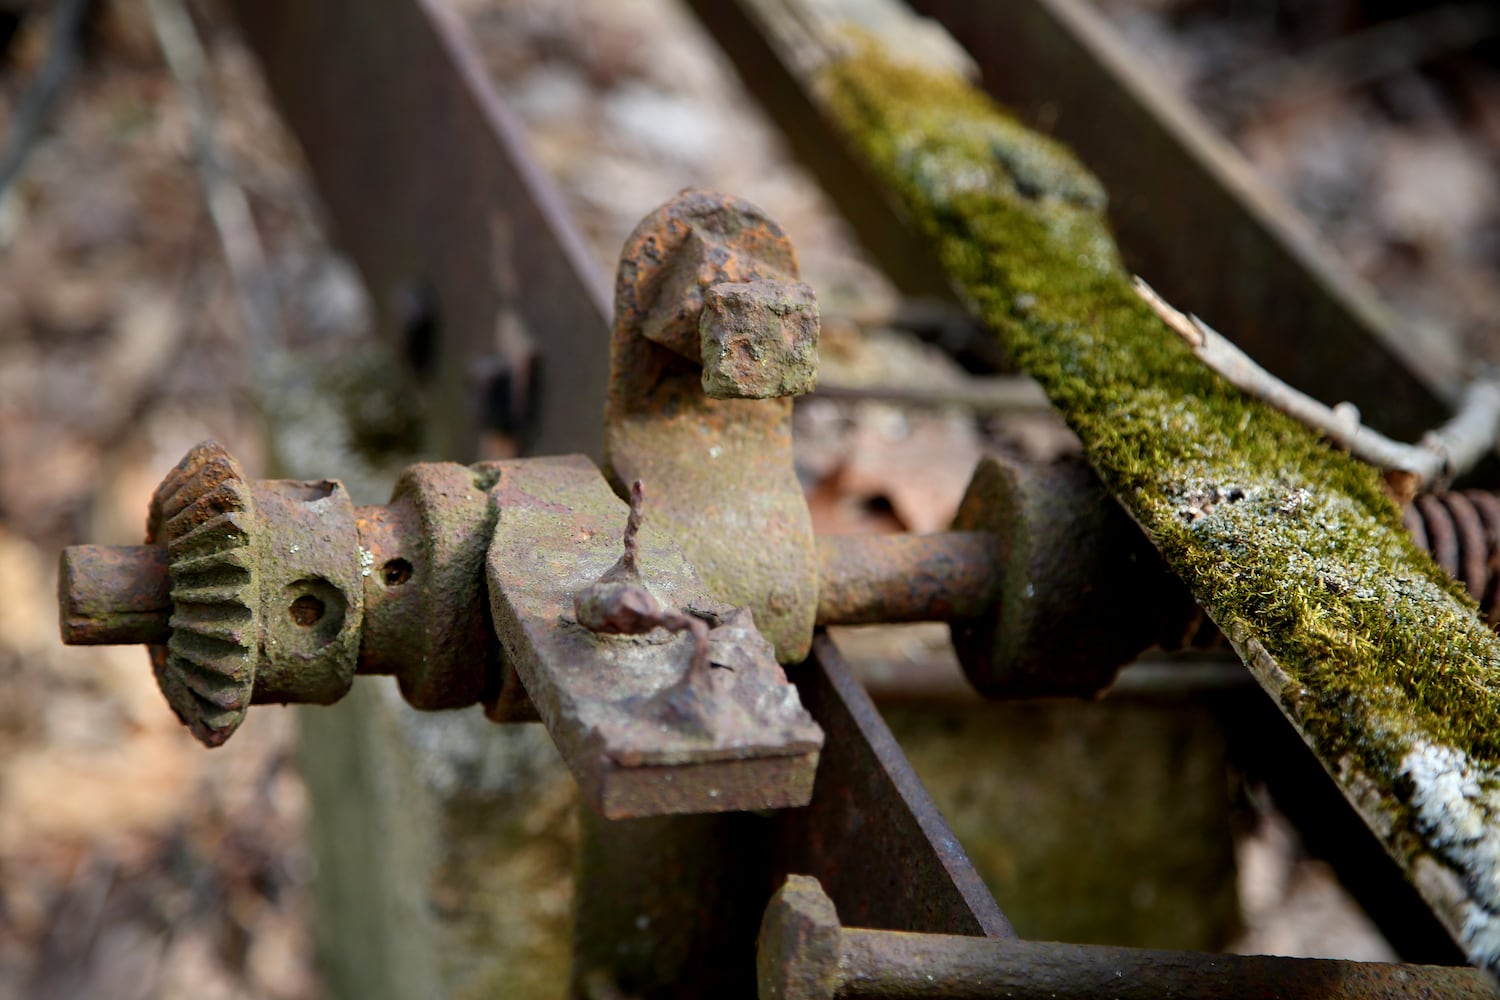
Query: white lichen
column 1456, row 806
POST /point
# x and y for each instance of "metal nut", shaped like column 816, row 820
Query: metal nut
column 759, row 339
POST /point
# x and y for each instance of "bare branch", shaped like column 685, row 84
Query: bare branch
column 1449, row 451
column 227, row 205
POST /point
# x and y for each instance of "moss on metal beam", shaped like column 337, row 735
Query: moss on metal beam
column 1371, row 650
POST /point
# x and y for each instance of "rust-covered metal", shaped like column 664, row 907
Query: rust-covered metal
column 1051, row 598
column 114, row 595
column 257, row 615
column 643, row 732
column 729, row 493
column 1081, row 592
column 945, row 576
column 422, row 559
column 257, row 591
column 661, row 913
column 1462, row 531
column 203, row 514
column 759, row 339
column 872, row 833
column 620, row 603
column 805, row 954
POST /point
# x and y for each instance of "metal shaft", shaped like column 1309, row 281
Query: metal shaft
column 119, row 595
column 892, row 964
column 114, row 595
column 804, row 953
column 868, row 579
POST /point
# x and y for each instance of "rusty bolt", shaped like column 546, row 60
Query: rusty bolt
column 759, row 339
column 704, row 239
column 797, row 954
column 618, row 603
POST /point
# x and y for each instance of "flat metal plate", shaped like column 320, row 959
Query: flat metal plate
column 641, row 740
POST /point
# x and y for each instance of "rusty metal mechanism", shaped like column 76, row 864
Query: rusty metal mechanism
column 643, row 613
column 805, row 954
column 654, row 676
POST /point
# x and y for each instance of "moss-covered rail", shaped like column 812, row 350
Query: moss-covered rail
column 1372, row 652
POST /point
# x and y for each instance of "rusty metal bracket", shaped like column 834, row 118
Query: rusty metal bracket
column 697, row 268
column 645, row 730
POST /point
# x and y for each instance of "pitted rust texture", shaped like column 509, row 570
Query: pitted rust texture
column 803, row 953
column 279, row 591
column 870, row 579
column 422, row 557
column 204, row 515
column 619, row 603
column 797, row 953
column 759, row 339
column 258, row 613
column 641, row 731
column 114, row 594
column 1024, row 598
column 1462, row 531
column 312, row 598
column 729, row 493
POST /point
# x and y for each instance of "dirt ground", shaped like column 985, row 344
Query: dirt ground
column 135, row 864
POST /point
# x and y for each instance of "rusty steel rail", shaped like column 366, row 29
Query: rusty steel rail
column 805, row 953
column 661, row 913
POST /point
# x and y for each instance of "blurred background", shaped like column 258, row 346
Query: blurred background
column 133, row 863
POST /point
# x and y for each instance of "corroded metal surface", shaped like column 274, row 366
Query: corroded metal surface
column 872, row 833
column 641, row 731
column 730, row 495
column 1056, row 566
column 948, row 576
column 797, row 953
column 312, row 591
column 114, row 595
column 805, row 954
column 203, row 514
column 662, row 915
column 1462, row 531
column 423, row 560
column 759, row 339
column 265, row 597
column 1081, row 591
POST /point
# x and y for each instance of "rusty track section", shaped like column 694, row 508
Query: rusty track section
column 806, row 954
column 432, row 191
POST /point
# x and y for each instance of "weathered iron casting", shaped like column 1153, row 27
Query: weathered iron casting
column 805, row 954
column 656, row 672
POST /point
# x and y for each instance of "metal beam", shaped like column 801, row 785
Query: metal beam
column 456, row 230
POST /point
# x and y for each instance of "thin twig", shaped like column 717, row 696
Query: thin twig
column 35, row 107
column 227, row 204
column 1442, row 454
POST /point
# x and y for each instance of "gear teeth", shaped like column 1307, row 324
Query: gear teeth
column 204, row 514
column 210, row 536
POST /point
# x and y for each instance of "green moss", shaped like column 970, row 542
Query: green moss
column 1287, row 542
